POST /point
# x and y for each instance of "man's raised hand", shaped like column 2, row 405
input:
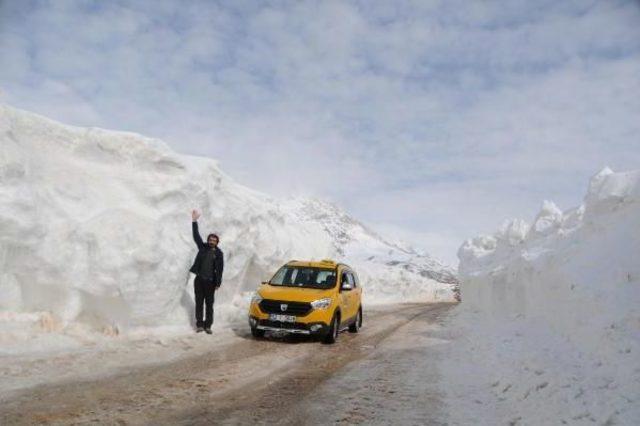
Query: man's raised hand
column 195, row 215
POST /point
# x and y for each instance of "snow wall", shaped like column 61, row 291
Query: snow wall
column 551, row 315
column 95, row 229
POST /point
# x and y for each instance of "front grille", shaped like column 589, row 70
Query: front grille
column 292, row 308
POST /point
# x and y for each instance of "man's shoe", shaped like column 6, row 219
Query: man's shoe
column 199, row 330
column 207, row 330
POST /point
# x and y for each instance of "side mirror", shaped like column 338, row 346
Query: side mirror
column 346, row 286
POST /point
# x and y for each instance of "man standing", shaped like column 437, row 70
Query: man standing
column 208, row 269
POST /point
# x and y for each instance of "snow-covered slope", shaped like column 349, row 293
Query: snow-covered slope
column 393, row 273
column 551, row 314
column 95, row 232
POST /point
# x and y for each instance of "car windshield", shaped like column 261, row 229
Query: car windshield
column 302, row 276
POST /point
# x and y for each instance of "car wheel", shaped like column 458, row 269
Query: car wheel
column 255, row 332
column 355, row 327
column 332, row 335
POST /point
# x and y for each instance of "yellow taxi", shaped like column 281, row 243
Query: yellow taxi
column 319, row 299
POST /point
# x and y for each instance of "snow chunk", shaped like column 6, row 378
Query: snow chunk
column 547, row 221
column 608, row 189
column 513, row 232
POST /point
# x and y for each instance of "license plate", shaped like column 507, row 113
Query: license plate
column 282, row 318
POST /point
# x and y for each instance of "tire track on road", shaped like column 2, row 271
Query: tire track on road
column 247, row 381
column 274, row 401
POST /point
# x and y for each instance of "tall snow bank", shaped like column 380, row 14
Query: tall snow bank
column 551, row 314
column 95, row 230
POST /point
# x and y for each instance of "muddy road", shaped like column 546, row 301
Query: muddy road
column 385, row 374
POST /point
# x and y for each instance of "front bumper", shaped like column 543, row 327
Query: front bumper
column 309, row 329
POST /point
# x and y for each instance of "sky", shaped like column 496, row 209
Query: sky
column 431, row 121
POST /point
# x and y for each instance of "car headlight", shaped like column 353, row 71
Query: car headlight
column 321, row 303
column 256, row 298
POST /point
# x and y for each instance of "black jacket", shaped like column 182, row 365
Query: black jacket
column 202, row 248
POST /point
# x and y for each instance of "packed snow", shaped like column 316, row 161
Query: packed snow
column 95, row 238
column 550, row 321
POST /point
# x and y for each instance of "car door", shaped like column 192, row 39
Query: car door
column 344, row 295
column 353, row 295
column 356, row 293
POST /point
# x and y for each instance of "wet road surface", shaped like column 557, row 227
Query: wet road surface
column 385, row 374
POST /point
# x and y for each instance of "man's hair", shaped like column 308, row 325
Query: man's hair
column 214, row 236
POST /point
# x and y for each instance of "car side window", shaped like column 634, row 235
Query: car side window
column 348, row 278
column 354, row 279
column 344, row 278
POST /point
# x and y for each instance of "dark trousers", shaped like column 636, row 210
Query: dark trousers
column 204, row 291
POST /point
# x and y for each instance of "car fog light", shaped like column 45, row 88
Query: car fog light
column 316, row 327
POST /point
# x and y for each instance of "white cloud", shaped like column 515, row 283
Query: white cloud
column 436, row 117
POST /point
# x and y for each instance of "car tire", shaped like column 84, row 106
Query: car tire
column 255, row 332
column 355, row 327
column 332, row 334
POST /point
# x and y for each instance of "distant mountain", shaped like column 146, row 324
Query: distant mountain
column 386, row 265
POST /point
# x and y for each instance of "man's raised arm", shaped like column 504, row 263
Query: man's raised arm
column 194, row 227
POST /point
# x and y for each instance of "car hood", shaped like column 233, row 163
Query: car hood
column 294, row 294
